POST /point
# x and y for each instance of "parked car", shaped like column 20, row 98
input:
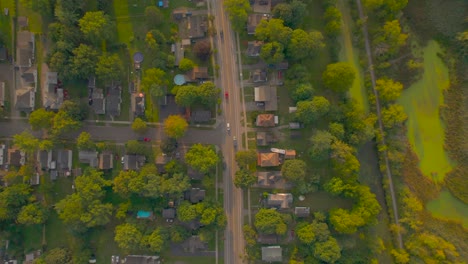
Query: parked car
column 234, row 140
column 228, row 127
column 144, row 139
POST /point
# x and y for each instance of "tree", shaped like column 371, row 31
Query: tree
column 337, row 130
column 328, row 251
column 400, row 256
column 305, row 233
column 309, row 111
column 294, row 170
column 284, row 12
column 304, row 44
column 270, row 221
column 391, row 36
column 128, row 182
column 245, row 158
column 359, row 127
column 127, row 236
column 74, row 110
column 186, row 95
column 320, row 145
column 244, row 179
column 299, row 11
column 109, row 67
column 175, row 184
column 44, row 7
column 156, row 240
column 273, row 30
column 150, row 41
column 393, row 116
column 303, row 92
column 26, row 142
column 32, row 214
column 238, row 11
column 96, row 26
column 97, row 214
column 64, row 123
column 201, row 158
column 84, row 142
column 389, row 90
column 57, row 256
column 333, row 18
column 153, row 82
column 344, row 161
column 90, row 185
column 154, row 17
column 250, row 235
column 202, row 49
column 186, row 65
column 207, row 94
column 169, row 145
column 339, row 76
column 320, row 230
column 135, row 147
column 139, row 125
column 272, row 52
column 12, row 198
column 186, row 212
column 41, row 119
column 84, row 61
column 175, row 126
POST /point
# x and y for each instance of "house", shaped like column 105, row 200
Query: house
column 161, row 161
column 194, row 175
column 272, row 254
column 196, row 26
column 197, row 74
column 113, row 100
column 200, row 116
column 53, row 95
column 265, row 120
column 272, row 180
column 106, row 160
column 88, row 157
column 44, row 158
column 30, row 257
column 259, row 75
column 290, row 154
column 267, row 239
column 25, row 99
column 180, row 13
column 253, row 21
column 22, row 21
column 279, row 200
column 193, row 244
column 11, row 261
column 141, row 259
column 35, row 179
column 16, row 157
column 264, row 138
column 268, row 159
column 295, row 125
column 169, row 214
column 25, row 49
column 62, row 160
column 300, row 211
column 3, row 154
column 267, row 95
column 253, row 48
column 2, row 94
column 98, row 102
column 138, row 104
column 195, row 195
column 3, row 53
column 133, row 162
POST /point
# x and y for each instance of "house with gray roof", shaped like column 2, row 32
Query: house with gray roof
column 106, row 160
column 259, row 75
column 16, row 157
column 53, row 95
column 3, row 154
column 99, row 102
column 169, row 213
column 268, row 239
column 200, row 116
column 267, row 94
column 195, row 195
column 2, row 94
column 63, row 160
column 301, row 211
column 193, row 244
column 253, row 21
column 253, row 48
column 272, row 180
column 25, row 49
column 25, row 99
column 88, row 157
column 133, row 162
column 113, row 100
column 272, row 254
column 138, row 104
column 280, row 200
column 44, row 158
column 140, row 259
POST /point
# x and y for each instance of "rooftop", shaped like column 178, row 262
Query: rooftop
column 253, row 21
column 272, row 254
column 89, row 157
column 195, row 195
column 265, row 120
column 267, row 94
column 106, row 161
column 268, row 159
column 280, row 200
column 253, row 48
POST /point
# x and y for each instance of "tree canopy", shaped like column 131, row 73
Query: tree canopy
column 26, row 142
column 186, row 64
column 109, row 67
column 320, row 145
column 273, row 30
column 303, row 92
column 344, row 160
column 328, row 251
column 294, row 170
column 393, row 116
column 244, row 179
column 245, row 158
column 304, row 44
column 41, row 119
column 84, row 142
column 139, row 125
column 339, row 76
column 389, row 90
column 127, row 236
column 175, row 126
column 309, row 111
column 201, row 158
column 238, row 11
column 153, row 82
column 270, row 221
column 84, row 61
column 96, row 25
column 272, row 52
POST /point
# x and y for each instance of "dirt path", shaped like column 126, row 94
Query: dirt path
column 381, row 128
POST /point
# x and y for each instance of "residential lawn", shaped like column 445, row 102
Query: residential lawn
column 57, row 234
column 323, row 201
column 36, row 24
column 10, row 4
column 284, row 102
column 448, row 207
column 191, row 260
column 5, row 29
column 103, row 244
column 421, row 101
column 350, row 55
column 32, row 237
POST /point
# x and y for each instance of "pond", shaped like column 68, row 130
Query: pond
column 446, row 206
column 421, row 102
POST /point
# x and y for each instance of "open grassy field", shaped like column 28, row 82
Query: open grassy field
column 446, row 206
column 421, row 102
column 349, row 54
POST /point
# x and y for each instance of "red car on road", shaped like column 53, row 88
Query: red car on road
column 226, row 95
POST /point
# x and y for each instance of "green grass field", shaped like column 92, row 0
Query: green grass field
column 446, row 206
column 421, row 102
column 349, row 54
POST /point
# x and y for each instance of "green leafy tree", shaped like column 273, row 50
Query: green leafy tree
column 169, row 145
column 244, row 179
column 186, row 65
column 154, row 17
column 44, row 7
column 41, row 119
column 359, row 127
column 26, row 142
column 97, row 214
column 337, row 130
column 135, row 147
column 208, row 94
column 201, row 158
column 431, row 248
column 139, row 125
column 294, row 170
column 320, row 230
column 238, row 11
column 156, row 240
column 339, row 76
column 389, row 90
column 305, row 233
column 372, row 4
column 309, row 111
column 393, row 116
column 333, row 18
column 304, row 44
column 64, row 123
column 328, row 251
column 70, row 209
column 321, row 142
column 273, row 30
column 90, row 186
column 74, row 110
column 284, row 12
column 84, row 61
column 153, row 82
column 272, row 52
column 344, row 221
column 127, row 236
column 96, row 26
column 245, row 158
column 32, row 214
column 12, row 198
column 303, row 92
column 58, row 256
column 391, row 36
column 202, row 50
column 186, row 212
column 175, row 185
column 46, row 144
column 186, row 95
column 178, row 234
column 150, row 41
column 84, row 142
column 400, row 256
column 175, row 126
column 109, row 67
column 291, row 13
column 250, row 235
column 270, row 221
column 344, row 160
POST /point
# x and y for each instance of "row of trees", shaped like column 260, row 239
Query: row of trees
column 206, row 95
